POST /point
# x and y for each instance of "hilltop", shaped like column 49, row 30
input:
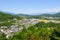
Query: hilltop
column 6, row 16
column 44, row 14
column 55, row 15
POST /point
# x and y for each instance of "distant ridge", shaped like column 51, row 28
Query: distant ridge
column 45, row 14
column 4, row 16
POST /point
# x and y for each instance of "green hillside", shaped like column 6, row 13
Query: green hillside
column 38, row 16
column 57, row 14
column 5, row 16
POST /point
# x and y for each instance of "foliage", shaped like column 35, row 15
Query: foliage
column 2, row 36
column 40, row 31
column 6, row 16
column 36, row 32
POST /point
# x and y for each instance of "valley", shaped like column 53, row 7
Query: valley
column 29, row 27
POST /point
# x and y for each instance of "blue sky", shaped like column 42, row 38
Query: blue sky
column 30, row 6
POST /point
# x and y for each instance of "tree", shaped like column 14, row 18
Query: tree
column 2, row 36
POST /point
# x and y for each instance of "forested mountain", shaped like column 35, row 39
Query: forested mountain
column 44, row 14
column 40, row 16
column 5, row 16
column 53, row 15
column 57, row 14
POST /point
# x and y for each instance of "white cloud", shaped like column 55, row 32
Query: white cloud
column 50, row 10
column 32, row 11
column 40, row 11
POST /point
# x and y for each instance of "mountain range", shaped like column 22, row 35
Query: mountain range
column 8, row 16
column 44, row 14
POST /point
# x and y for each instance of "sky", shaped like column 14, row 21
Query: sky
column 30, row 6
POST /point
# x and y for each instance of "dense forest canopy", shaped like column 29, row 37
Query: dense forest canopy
column 6, row 16
column 40, row 31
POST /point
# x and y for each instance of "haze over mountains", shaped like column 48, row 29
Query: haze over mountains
column 42, row 14
column 8, row 16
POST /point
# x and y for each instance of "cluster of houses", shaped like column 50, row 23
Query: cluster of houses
column 16, row 28
column 28, row 22
column 9, row 31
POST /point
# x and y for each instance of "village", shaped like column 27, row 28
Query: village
column 18, row 25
